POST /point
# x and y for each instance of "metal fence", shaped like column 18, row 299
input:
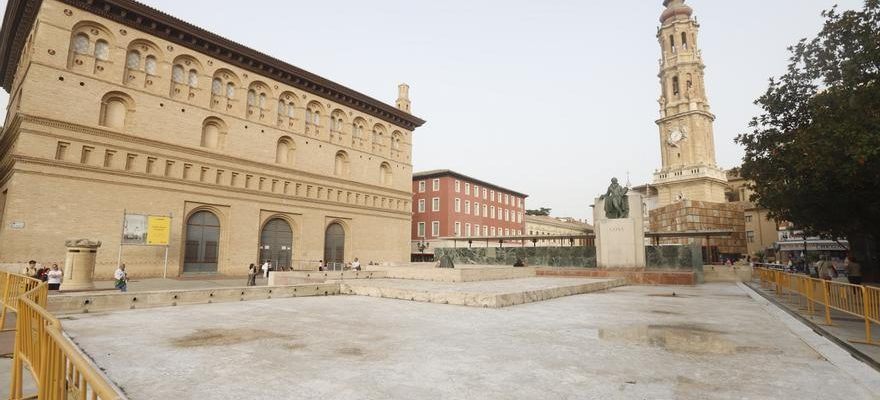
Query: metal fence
column 58, row 368
column 856, row 300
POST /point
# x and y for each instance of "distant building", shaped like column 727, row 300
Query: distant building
column 449, row 204
column 761, row 231
column 539, row 225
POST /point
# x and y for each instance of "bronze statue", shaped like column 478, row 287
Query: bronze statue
column 616, row 201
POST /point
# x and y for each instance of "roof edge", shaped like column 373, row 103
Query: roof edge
column 21, row 14
column 447, row 172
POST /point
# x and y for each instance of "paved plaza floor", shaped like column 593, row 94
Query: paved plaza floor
column 706, row 342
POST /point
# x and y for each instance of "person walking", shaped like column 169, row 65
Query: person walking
column 252, row 275
column 54, row 277
column 826, row 269
column 31, row 269
column 121, row 278
column 265, row 269
column 853, row 270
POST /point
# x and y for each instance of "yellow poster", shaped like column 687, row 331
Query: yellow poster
column 158, row 231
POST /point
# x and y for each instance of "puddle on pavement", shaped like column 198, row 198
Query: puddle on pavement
column 664, row 312
column 686, row 338
column 224, row 337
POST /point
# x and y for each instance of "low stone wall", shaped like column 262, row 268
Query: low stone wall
column 577, row 256
column 633, row 277
column 284, row 278
column 459, row 273
column 116, row 301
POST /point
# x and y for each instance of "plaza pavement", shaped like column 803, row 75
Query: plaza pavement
column 715, row 341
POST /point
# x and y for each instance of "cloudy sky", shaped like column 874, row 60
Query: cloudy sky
column 550, row 98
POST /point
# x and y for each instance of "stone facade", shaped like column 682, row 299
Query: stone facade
column 539, row 225
column 115, row 107
column 692, row 215
column 762, row 232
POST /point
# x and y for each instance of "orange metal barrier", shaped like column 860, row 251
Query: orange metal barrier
column 857, row 300
column 58, row 368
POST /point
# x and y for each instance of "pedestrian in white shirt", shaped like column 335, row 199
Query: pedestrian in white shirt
column 54, row 277
column 121, row 279
column 265, row 269
column 356, row 265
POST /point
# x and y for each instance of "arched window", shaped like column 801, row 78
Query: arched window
column 150, row 65
column 251, row 98
column 313, row 113
column 202, row 245
column 193, row 78
column 340, row 166
column 102, row 50
column 177, row 74
column 230, row 90
column 217, row 87
column 286, row 109
column 385, row 174
column 115, row 107
column 81, row 43
column 133, row 60
column 395, row 140
column 675, row 87
column 337, row 121
column 213, row 134
column 358, row 128
column 284, row 151
column 89, row 47
column 334, row 245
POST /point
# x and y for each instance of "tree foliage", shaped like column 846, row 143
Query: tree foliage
column 541, row 211
column 814, row 153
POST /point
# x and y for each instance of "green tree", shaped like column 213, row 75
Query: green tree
column 814, row 153
column 541, row 211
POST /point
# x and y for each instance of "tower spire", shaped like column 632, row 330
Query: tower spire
column 675, row 10
column 403, row 102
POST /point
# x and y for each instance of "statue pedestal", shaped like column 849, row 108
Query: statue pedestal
column 79, row 265
column 620, row 243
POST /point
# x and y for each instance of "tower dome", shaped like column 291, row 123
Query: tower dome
column 675, row 9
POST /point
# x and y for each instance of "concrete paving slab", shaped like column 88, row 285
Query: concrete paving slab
column 502, row 293
column 706, row 342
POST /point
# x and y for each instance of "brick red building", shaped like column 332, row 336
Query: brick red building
column 449, row 204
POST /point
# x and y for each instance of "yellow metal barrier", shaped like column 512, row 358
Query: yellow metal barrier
column 58, row 368
column 857, row 300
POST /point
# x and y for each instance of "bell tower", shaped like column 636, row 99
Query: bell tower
column 687, row 141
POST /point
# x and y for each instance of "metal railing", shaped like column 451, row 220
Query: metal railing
column 857, row 300
column 56, row 364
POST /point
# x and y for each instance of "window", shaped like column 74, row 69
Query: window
column 750, row 235
column 150, row 65
column 492, row 195
column 492, row 212
column 457, row 186
column 422, row 187
column 102, row 50
column 435, row 185
column 675, row 89
column 213, row 133
column 506, row 200
column 476, row 191
column 177, row 74
column 81, row 43
column 485, row 210
column 485, row 194
column 519, row 218
column 114, row 110
column 435, row 228
column 133, row 60
column 467, row 188
column 385, row 174
column 467, row 207
column 492, row 231
column 684, row 41
column 457, row 229
column 457, row 205
column 477, row 209
column 284, row 151
column 421, row 205
column 519, row 203
column 467, row 230
column 485, row 230
column 340, row 163
column 506, row 232
column 506, row 215
column 421, row 230
column 435, row 204
column 476, row 230
column 748, row 218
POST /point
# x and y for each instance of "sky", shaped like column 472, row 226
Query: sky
column 550, row 98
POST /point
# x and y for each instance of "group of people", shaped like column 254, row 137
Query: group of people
column 253, row 271
column 352, row 266
column 51, row 275
column 825, row 269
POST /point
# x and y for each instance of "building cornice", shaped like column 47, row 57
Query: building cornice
column 685, row 114
column 21, row 14
column 445, row 172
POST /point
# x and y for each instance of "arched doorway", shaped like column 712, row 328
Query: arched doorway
column 276, row 244
column 202, row 243
column 334, row 244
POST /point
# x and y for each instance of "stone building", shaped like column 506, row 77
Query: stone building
column 447, row 204
column 761, row 231
column 117, row 108
column 539, row 225
column 690, row 185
